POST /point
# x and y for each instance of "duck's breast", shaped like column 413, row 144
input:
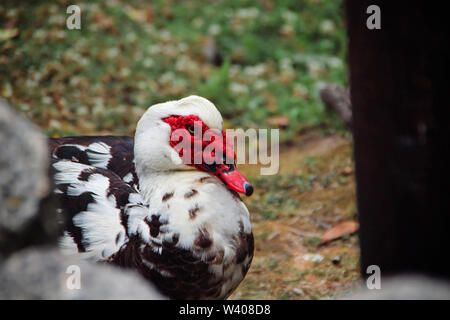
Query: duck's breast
column 209, row 221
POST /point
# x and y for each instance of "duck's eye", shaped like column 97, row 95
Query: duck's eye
column 190, row 128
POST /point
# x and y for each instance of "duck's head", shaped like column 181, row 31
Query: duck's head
column 187, row 134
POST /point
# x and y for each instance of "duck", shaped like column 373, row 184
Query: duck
column 139, row 203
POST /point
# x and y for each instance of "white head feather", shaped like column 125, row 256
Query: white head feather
column 152, row 150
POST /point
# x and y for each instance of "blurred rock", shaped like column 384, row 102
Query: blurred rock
column 27, row 209
column 338, row 99
column 210, row 52
column 43, row 274
column 405, row 287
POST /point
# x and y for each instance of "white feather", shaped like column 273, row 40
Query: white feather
column 100, row 223
column 128, row 177
column 99, row 154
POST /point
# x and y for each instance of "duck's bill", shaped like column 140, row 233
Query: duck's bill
column 233, row 179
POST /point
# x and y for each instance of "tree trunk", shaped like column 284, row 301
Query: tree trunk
column 399, row 93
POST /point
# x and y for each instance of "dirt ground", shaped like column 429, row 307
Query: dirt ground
column 313, row 191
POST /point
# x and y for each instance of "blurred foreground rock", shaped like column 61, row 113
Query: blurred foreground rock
column 338, row 99
column 27, row 206
column 46, row 274
column 405, row 287
column 31, row 266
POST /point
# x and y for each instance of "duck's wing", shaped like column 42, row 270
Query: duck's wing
column 112, row 153
column 96, row 206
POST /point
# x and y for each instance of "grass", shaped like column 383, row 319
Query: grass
column 270, row 59
column 290, row 212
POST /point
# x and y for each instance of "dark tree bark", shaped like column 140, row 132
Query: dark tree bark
column 399, row 93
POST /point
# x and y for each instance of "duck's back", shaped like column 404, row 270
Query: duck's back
column 95, row 182
column 113, row 153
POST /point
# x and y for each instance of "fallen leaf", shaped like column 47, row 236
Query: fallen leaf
column 6, row 34
column 271, row 100
column 347, row 171
column 140, row 15
column 273, row 235
column 278, row 121
column 313, row 257
column 103, row 21
column 339, row 230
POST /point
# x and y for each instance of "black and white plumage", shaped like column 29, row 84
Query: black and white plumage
column 134, row 203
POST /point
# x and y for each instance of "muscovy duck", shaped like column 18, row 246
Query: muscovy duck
column 137, row 203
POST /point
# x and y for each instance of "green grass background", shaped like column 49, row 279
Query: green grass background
column 129, row 55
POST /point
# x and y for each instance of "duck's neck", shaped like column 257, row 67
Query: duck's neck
column 160, row 183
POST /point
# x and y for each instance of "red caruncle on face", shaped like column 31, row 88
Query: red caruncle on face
column 207, row 150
